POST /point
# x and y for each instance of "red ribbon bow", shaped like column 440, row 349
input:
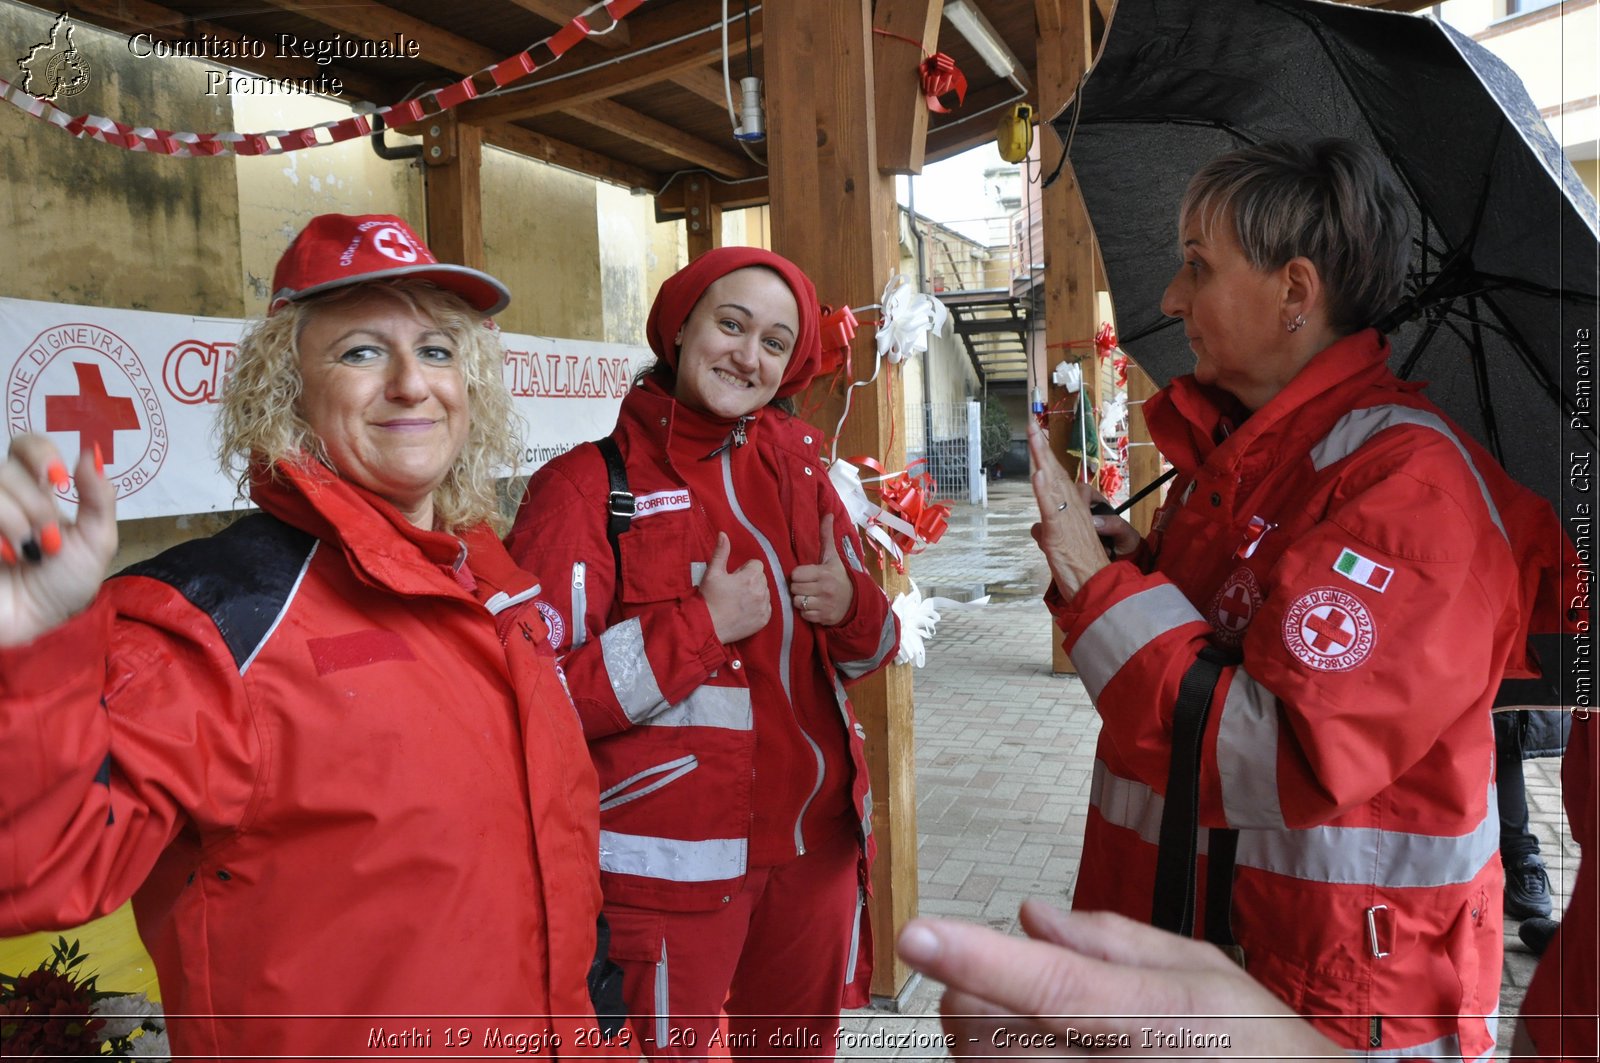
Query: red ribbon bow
column 940, row 76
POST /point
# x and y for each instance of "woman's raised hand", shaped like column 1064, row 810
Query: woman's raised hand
column 740, row 601
column 1066, row 531
column 50, row 569
column 822, row 593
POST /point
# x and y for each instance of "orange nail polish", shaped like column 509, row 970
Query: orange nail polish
column 50, row 540
column 57, row 472
column 99, row 461
column 7, row 554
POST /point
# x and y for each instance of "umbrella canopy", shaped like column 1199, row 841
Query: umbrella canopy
column 1501, row 315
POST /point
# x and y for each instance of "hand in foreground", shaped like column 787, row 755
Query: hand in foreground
column 1098, row 984
column 50, row 569
column 1065, row 531
column 823, row 592
column 740, row 601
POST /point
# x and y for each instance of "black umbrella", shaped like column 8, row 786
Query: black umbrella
column 1502, row 313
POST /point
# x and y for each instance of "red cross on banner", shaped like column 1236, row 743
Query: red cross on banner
column 92, row 413
column 1332, row 629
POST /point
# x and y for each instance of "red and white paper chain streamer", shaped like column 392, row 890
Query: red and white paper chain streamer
column 205, row 145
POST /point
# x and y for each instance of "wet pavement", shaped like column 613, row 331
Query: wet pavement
column 1005, row 750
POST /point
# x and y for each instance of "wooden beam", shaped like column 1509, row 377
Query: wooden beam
column 1144, row 461
column 665, row 138
column 526, row 142
column 697, row 22
column 561, row 12
column 673, row 201
column 707, row 84
column 1069, row 286
column 453, row 153
column 902, row 110
column 702, row 218
column 164, row 24
column 375, row 22
column 834, row 213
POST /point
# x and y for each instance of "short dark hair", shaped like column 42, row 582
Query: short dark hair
column 1332, row 201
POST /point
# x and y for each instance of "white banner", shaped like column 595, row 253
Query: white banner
column 144, row 387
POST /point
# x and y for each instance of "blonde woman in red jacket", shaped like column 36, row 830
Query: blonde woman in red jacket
column 326, row 751
column 706, row 651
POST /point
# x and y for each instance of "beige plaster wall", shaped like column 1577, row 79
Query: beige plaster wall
column 541, row 236
column 278, row 194
column 95, row 225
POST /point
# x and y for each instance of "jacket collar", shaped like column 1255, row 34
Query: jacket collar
column 382, row 546
column 1195, row 425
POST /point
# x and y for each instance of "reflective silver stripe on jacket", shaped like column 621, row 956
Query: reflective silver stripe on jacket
column 672, row 859
column 1125, row 629
column 886, row 646
column 632, row 681
column 855, row 937
column 1247, row 755
column 500, row 601
column 1350, row 856
column 708, row 706
column 1356, row 427
column 661, row 774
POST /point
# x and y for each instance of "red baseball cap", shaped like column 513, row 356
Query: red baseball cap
column 336, row 250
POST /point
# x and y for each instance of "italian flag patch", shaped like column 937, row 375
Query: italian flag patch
column 1363, row 570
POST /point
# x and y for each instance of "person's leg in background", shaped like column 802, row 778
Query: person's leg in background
column 1527, row 881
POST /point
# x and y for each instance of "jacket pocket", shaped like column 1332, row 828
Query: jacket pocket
column 655, row 563
column 648, row 781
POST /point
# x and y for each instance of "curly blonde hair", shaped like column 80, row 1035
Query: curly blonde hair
column 260, row 421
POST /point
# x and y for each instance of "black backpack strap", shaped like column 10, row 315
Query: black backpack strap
column 619, row 500
column 1178, row 856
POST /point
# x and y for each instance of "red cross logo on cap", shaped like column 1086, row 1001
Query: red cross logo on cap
column 1329, row 630
column 92, row 413
column 394, row 243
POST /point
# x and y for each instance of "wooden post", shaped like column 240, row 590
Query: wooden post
column 1069, row 286
column 1144, row 463
column 902, row 113
column 454, row 156
column 833, row 213
column 701, row 216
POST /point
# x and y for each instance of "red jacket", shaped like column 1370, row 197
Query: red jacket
column 1357, row 550
column 334, row 767
column 667, row 708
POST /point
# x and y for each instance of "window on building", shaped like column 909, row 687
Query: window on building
column 1519, row 7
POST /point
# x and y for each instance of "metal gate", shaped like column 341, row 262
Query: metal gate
column 946, row 435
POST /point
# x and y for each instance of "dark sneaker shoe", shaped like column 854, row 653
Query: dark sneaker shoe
column 1527, row 888
column 1537, row 932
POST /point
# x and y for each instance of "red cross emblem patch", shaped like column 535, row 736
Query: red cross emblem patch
column 1329, row 630
column 1234, row 606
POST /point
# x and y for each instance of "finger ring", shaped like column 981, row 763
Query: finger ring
column 804, row 598
column 1062, row 507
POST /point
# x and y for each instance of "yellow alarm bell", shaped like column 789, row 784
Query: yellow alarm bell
column 1015, row 135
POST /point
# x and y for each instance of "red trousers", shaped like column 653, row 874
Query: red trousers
column 774, row 957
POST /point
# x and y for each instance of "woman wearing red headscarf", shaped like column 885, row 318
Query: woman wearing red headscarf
column 705, row 641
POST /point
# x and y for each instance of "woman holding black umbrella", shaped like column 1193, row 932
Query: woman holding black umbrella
column 1334, row 578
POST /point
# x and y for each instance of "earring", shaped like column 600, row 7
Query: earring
column 1297, row 324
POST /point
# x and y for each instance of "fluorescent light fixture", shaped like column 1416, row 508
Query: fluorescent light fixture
column 971, row 24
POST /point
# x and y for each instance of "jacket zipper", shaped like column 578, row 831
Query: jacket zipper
column 787, row 613
column 580, row 603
